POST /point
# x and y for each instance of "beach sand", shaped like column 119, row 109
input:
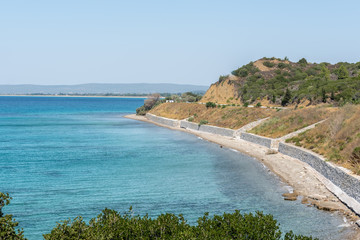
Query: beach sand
column 300, row 176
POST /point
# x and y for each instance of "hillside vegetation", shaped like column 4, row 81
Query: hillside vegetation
column 233, row 117
column 338, row 138
column 290, row 120
column 275, row 82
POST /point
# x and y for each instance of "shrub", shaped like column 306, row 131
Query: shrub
column 141, row 111
column 112, row 225
column 342, row 72
column 258, row 105
column 210, row 105
column 223, row 78
column 202, row 122
column 243, row 73
column 286, row 98
column 268, row 64
column 246, row 104
column 7, row 224
column 149, row 103
column 282, row 65
column 191, row 119
column 303, row 62
column 356, row 154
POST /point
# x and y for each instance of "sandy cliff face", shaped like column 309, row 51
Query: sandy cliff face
column 225, row 92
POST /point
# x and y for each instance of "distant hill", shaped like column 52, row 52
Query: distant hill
column 273, row 81
column 97, row 88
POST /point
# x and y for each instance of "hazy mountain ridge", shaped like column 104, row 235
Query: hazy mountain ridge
column 100, row 88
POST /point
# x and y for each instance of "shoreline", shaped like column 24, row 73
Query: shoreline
column 304, row 180
column 80, row 96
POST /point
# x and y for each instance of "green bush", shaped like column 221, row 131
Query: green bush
column 210, row 105
column 268, row 64
column 303, row 62
column 7, row 224
column 287, row 97
column 191, row 119
column 202, row 122
column 282, row 65
column 258, row 105
column 112, row 225
column 223, row 78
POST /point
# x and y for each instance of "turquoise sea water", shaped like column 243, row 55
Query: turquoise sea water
column 64, row 157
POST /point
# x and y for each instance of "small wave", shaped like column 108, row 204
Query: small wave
column 200, row 138
column 345, row 225
column 289, row 189
column 234, row 150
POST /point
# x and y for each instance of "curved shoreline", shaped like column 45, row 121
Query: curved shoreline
column 305, row 181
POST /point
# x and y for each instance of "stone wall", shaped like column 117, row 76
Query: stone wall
column 264, row 141
column 189, row 125
column 347, row 183
column 217, row 130
column 161, row 120
column 207, row 128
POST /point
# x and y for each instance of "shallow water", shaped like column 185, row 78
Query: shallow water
column 64, row 157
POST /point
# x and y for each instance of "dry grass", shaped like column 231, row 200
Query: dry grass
column 290, row 120
column 228, row 117
column 337, row 138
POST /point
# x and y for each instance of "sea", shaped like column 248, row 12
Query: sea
column 62, row 157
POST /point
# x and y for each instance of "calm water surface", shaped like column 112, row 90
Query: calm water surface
column 64, row 157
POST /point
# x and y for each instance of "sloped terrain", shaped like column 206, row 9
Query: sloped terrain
column 275, row 82
column 228, row 117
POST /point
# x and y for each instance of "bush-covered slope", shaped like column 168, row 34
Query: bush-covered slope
column 274, row 81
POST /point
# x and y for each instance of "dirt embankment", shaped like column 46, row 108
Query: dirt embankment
column 228, row 117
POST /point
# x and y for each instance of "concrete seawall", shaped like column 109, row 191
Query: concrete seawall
column 346, row 187
column 207, row 128
column 189, row 125
column 264, row 141
column 161, row 120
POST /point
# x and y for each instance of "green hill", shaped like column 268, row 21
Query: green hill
column 274, row 81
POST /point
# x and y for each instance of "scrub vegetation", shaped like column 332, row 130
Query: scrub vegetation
column 290, row 120
column 275, row 82
column 111, row 225
column 233, row 117
column 338, row 138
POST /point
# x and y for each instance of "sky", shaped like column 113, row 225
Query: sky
column 170, row 41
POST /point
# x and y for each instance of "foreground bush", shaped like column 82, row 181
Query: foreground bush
column 7, row 223
column 112, row 225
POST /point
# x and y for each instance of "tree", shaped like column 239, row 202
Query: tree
column 342, row 72
column 287, row 97
column 325, row 72
column 332, row 96
column 150, row 102
column 7, row 223
column 323, row 95
column 210, row 105
column 303, row 61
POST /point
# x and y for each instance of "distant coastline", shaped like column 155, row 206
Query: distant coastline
column 70, row 95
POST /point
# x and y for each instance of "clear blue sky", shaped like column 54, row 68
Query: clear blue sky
column 184, row 41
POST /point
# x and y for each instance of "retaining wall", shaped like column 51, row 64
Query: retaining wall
column 189, row 125
column 347, row 183
column 264, row 141
column 162, row 120
column 207, row 128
